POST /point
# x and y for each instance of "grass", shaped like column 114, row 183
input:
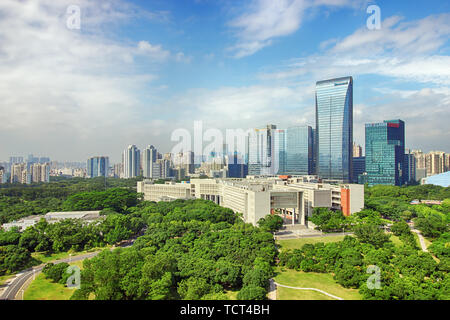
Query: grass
column 322, row 281
column 232, row 295
column 298, row 243
column 5, row 278
column 45, row 289
column 293, row 294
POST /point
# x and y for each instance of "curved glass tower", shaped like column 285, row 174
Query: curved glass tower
column 334, row 129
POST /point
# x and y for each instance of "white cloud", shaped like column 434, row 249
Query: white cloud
column 406, row 51
column 70, row 93
column 266, row 20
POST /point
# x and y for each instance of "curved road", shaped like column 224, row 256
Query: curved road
column 15, row 285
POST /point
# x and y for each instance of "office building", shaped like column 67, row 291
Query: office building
column 385, row 152
column 359, row 167
column 410, row 166
column 299, row 151
column 334, row 129
column 256, row 197
column 131, row 162
column 236, row 167
column 266, row 151
column 97, row 167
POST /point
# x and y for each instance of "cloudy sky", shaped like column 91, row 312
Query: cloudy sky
column 137, row 70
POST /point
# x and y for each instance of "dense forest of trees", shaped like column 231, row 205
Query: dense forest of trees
column 195, row 249
column 406, row 273
column 192, row 249
column 118, row 223
column 18, row 200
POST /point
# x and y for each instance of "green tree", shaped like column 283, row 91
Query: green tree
column 371, row 233
column 252, row 292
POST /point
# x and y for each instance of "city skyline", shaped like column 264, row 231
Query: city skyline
column 161, row 66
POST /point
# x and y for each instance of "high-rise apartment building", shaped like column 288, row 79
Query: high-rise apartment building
column 435, row 162
column 149, row 160
column 2, row 174
column 334, row 129
column 385, row 151
column 118, row 170
column 131, row 162
column 299, row 151
column 97, row 167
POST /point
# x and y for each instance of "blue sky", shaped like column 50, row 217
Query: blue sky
column 137, row 70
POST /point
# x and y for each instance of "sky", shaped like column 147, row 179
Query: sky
column 135, row 71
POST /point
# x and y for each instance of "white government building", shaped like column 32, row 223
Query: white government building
column 295, row 197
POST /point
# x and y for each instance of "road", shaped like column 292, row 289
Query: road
column 16, row 285
column 421, row 240
column 22, row 279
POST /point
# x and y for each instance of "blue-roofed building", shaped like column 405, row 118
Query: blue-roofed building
column 442, row 179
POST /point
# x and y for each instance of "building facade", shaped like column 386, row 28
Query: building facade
column 131, row 162
column 97, row 167
column 334, row 129
column 385, row 152
column 299, row 151
column 150, row 155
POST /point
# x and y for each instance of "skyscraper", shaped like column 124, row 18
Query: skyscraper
column 149, row 159
column 97, row 167
column 334, row 129
column 265, row 149
column 385, row 152
column 131, row 162
column 299, row 150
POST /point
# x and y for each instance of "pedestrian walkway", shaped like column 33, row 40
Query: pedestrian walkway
column 314, row 289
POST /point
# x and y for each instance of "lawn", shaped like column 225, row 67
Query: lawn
column 45, row 289
column 5, row 278
column 322, row 281
column 298, row 243
column 293, row 294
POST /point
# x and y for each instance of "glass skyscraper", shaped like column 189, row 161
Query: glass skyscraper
column 97, row 167
column 266, row 151
column 299, row 151
column 385, row 152
column 334, row 129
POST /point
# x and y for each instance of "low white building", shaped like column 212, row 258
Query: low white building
column 257, row 196
column 53, row 217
